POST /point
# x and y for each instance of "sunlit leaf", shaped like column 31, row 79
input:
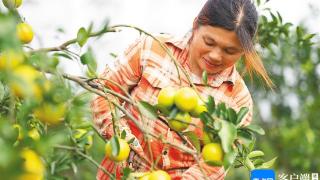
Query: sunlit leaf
column 193, row 139
column 240, row 115
column 123, row 134
column 82, row 36
column 115, row 146
column 147, row 110
column 205, row 77
column 255, row 154
column 267, row 164
column 211, row 105
column 232, row 116
column 227, row 134
column 255, row 128
column 229, row 158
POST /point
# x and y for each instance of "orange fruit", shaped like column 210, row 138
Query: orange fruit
column 200, row 107
column 180, row 122
column 212, row 152
column 124, row 151
column 11, row 4
column 166, row 97
column 50, row 113
column 159, row 175
column 24, row 32
column 186, row 99
column 10, row 59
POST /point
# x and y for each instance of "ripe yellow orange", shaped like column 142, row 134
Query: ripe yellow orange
column 159, row 175
column 33, row 165
column 24, row 32
column 200, row 107
column 23, row 83
column 10, row 59
column 186, row 99
column 180, row 122
column 166, row 97
column 11, row 4
column 213, row 152
column 50, row 113
column 80, row 133
column 124, row 151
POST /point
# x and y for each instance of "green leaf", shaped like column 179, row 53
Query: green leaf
column 131, row 141
column 123, row 134
column 211, row 105
column 299, row 32
column 214, row 163
column 249, row 164
column 279, row 17
column 245, row 134
column 147, row 110
column 82, row 36
column 255, row 154
column 206, row 118
column 74, row 168
column 173, row 112
column 251, row 145
column 205, row 77
column 90, row 28
column 229, row 158
column 115, row 146
column 126, row 173
column 194, row 139
column 113, row 55
column 232, row 116
column 255, row 128
column 63, row 55
column 308, row 37
column 227, row 134
column 240, row 115
column 268, row 164
column 2, row 91
column 89, row 60
column 258, row 162
column 258, row 2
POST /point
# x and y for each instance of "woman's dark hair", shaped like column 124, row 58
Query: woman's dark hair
column 241, row 17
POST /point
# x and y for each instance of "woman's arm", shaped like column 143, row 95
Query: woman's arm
column 126, row 72
column 211, row 172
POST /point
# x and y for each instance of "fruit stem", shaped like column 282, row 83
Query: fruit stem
column 85, row 156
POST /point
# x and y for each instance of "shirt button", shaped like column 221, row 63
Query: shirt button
column 165, row 152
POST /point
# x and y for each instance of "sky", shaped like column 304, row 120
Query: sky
column 169, row 16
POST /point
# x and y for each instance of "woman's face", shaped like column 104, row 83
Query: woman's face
column 213, row 49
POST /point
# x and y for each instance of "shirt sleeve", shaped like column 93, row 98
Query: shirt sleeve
column 125, row 72
column 211, row 172
column 242, row 98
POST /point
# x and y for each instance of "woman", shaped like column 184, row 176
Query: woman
column 222, row 33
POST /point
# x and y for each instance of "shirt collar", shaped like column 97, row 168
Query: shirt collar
column 215, row 80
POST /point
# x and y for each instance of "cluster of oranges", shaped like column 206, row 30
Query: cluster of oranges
column 24, row 30
column 187, row 102
column 24, row 80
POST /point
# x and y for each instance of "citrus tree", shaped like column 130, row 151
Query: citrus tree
column 45, row 120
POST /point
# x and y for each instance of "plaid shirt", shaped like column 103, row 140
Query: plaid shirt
column 143, row 70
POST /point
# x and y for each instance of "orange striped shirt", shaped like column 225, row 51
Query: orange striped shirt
column 143, row 70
